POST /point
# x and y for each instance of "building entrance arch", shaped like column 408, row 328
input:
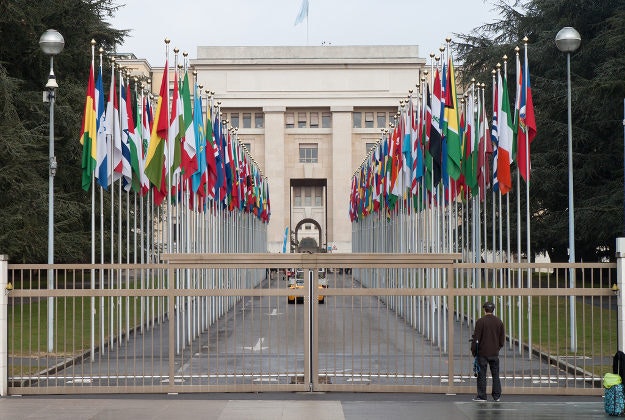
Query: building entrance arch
column 298, row 228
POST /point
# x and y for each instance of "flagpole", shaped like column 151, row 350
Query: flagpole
column 101, row 272
column 112, row 216
column 93, row 187
column 518, row 178
column 129, row 186
column 494, row 193
column 119, row 218
column 507, row 209
column 528, row 221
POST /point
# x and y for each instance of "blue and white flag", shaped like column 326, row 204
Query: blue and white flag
column 303, row 13
column 286, row 235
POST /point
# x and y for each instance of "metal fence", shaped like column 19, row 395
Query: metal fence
column 368, row 323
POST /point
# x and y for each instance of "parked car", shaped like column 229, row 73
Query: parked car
column 297, row 282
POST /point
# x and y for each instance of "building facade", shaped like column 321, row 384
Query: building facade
column 308, row 116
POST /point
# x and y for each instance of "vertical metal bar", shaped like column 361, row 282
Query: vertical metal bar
column 314, row 306
column 450, row 329
column 620, row 284
column 4, row 327
column 171, row 308
column 308, row 331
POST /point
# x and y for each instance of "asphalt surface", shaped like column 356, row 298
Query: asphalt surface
column 300, row 405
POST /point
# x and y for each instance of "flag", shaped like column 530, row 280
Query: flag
column 134, row 141
column 155, row 159
column 527, row 125
column 435, row 134
column 221, row 161
column 406, row 148
column 102, row 148
column 146, row 129
column 212, row 152
column 452, row 132
column 517, row 106
column 443, row 125
column 495, row 136
column 417, row 151
column 198, row 178
column 303, row 13
column 113, row 135
column 394, row 187
column 485, row 148
column 228, row 167
column 469, row 163
column 174, row 138
column 505, row 133
column 189, row 161
column 126, row 167
column 88, row 134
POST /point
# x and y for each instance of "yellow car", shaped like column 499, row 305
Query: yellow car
column 297, row 282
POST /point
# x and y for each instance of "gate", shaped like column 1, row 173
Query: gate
column 367, row 323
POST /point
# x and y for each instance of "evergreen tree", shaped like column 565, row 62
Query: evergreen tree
column 598, row 90
column 24, row 125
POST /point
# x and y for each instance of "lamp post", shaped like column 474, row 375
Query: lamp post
column 51, row 43
column 568, row 40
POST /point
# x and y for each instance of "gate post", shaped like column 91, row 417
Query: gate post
column 620, row 286
column 4, row 324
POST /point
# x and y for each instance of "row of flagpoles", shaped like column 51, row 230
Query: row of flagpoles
column 178, row 180
column 425, row 186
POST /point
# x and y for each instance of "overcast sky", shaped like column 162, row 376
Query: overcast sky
column 192, row 23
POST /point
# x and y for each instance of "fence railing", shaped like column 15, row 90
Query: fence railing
column 222, row 322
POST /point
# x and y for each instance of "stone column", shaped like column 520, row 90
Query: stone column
column 339, row 225
column 274, row 170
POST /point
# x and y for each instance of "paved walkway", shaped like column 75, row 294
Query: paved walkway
column 302, row 406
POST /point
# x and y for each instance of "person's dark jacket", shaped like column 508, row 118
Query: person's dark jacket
column 489, row 335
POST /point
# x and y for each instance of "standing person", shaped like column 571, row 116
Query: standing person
column 488, row 338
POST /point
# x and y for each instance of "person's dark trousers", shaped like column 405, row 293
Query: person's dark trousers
column 484, row 363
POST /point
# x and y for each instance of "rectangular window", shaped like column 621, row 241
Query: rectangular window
column 368, row 147
column 307, row 197
column 326, row 120
column 259, row 120
column 289, row 119
column 308, row 152
column 301, row 120
column 297, row 192
column 247, row 120
column 314, row 120
column 357, row 117
column 381, row 119
column 318, row 198
column 368, row 119
column 248, row 146
column 234, row 119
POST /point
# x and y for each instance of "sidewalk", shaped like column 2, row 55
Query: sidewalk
column 303, row 406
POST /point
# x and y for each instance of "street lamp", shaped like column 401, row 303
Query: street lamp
column 568, row 40
column 51, row 43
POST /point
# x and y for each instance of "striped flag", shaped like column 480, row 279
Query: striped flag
column 112, row 133
column 189, row 160
column 452, row 130
column 102, row 164
column 199, row 176
column 155, row 159
column 505, row 132
column 126, row 132
column 88, row 134
column 527, row 124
